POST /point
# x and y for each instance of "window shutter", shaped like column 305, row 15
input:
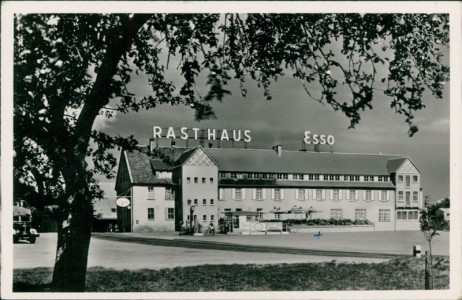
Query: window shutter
column 380, row 196
column 297, row 194
column 314, row 194
column 272, row 194
column 282, row 194
column 323, row 195
column 340, row 192
column 372, row 195
column 348, row 194
column 356, row 195
column 388, row 195
column 264, row 193
column 220, row 192
column 254, row 194
column 166, row 213
column 233, row 193
column 364, row 194
column 331, row 194
column 243, row 191
column 306, row 194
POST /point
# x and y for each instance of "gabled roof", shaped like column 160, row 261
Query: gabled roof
column 256, row 160
column 143, row 166
column 394, row 164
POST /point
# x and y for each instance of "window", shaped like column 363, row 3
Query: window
column 408, row 198
column 335, row 194
column 195, row 201
column 212, row 218
column 233, row 175
column 383, row 178
column 319, row 194
column 336, row 214
column 408, row 181
column 212, row 202
column 368, row 195
column 346, row 177
column 238, row 209
column 415, row 214
column 204, row 218
column 227, row 209
column 259, row 194
column 368, row 178
column 168, row 194
column 222, row 175
column 331, row 177
column 204, row 201
column 264, row 176
column 170, row 213
column 360, row 214
column 277, row 194
column 220, row 194
column 113, row 210
column 282, row 176
column 211, row 180
column 400, row 178
column 415, row 196
column 301, row 194
column 240, row 175
column 337, row 177
column 188, row 201
column 298, row 176
column 150, row 213
column 150, row 193
column 238, row 194
column 400, row 196
column 270, row 176
column 196, row 180
column 203, row 180
column 188, row 180
column 415, row 178
column 384, row 215
column 383, row 195
column 352, row 195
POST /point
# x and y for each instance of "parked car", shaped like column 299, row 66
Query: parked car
column 22, row 226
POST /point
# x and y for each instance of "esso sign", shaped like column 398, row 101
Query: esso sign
column 318, row 139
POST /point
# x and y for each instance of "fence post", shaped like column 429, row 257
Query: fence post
column 428, row 274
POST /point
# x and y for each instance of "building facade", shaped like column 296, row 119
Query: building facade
column 168, row 185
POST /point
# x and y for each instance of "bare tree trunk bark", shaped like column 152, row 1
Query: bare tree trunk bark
column 74, row 235
column 74, row 231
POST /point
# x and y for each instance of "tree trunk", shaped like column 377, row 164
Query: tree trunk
column 74, row 234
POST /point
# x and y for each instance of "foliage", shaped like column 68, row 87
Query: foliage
column 431, row 222
column 61, row 61
column 405, row 274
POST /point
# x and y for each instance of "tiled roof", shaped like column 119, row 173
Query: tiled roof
column 253, row 160
column 143, row 167
column 394, row 164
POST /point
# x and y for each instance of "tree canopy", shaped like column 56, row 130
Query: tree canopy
column 63, row 61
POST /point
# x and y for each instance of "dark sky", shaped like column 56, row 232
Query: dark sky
column 284, row 120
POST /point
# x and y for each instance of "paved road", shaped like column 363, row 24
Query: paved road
column 210, row 245
column 132, row 255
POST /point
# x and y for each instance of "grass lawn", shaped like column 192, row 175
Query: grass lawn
column 405, row 273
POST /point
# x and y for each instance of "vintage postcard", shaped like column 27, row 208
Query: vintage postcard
column 231, row 150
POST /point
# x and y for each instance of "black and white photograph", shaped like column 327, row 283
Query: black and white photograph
column 231, row 150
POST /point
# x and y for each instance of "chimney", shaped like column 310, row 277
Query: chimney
column 278, row 149
column 152, row 144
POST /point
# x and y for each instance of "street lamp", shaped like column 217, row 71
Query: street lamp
column 191, row 215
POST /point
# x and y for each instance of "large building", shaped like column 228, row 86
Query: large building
column 166, row 185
